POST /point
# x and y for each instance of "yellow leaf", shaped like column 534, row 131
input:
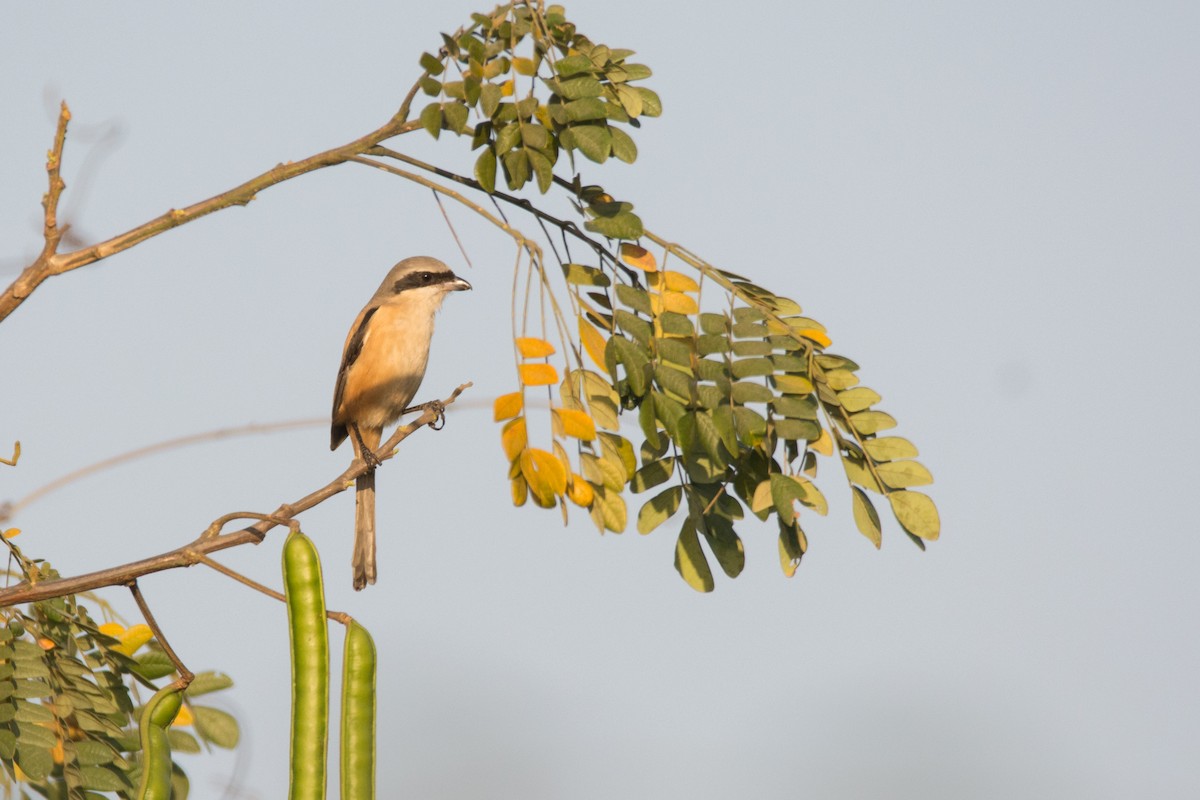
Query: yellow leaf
column 12, row 533
column 508, row 87
column 593, row 343
column 545, row 475
column 525, row 66
column 507, row 406
column 576, row 423
column 530, row 347
column 513, row 438
column 538, row 374
column 113, row 629
column 46, row 644
column 823, row 444
column 520, row 491
column 543, row 116
column 57, row 752
column 814, row 335
column 184, row 717
column 638, row 256
column 579, row 491
column 679, row 303
column 134, row 638
column 678, row 282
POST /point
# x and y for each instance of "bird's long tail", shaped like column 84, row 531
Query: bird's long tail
column 364, row 530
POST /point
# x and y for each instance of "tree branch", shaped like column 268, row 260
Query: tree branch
column 51, row 263
column 185, row 674
column 211, row 540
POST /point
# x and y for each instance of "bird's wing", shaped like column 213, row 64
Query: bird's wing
column 354, row 343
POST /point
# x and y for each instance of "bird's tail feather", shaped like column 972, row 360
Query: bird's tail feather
column 364, row 530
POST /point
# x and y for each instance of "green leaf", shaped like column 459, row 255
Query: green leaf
column 456, row 115
column 8, row 743
column 622, row 226
column 89, row 752
column 206, row 682
column 516, row 168
column 216, row 726
column 586, row 110
column 572, row 65
column 751, row 427
column 594, row 141
column 659, row 509
column 747, row 392
column 630, row 100
column 652, row 474
column 690, row 562
column 792, row 384
column 674, row 382
column 784, row 491
column 916, row 513
column 489, row 99
column 623, row 146
column 710, row 437
column 431, row 119
column 869, row 422
column 792, row 544
column 580, row 87
column 431, row 64
column 651, row 104
column 676, row 324
column 890, row 448
column 582, row 275
column 154, row 664
column 485, row 170
column 795, row 407
column 632, row 297
column 542, row 169
column 34, row 760
column 182, row 741
column 103, row 779
column 641, row 330
column 903, row 474
column 635, row 361
column 858, row 398
column 865, row 517
column 750, row 367
column 798, row 430
column 725, row 545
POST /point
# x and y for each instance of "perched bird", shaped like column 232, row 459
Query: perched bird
column 383, row 363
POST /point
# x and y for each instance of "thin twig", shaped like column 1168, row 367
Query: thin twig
column 336, row 616
column 51, row 233
column 191, row 553
column 185, row 674
column 141, row 452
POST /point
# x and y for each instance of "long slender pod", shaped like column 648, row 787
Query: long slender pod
column 310, row 667
column 358, row 715
column 153, row 723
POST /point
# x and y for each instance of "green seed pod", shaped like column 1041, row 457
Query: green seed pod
column 358, row 715
column 310, row 667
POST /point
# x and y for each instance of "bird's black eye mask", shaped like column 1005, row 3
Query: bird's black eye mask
column 416, row 280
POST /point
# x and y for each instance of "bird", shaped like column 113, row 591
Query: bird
column 383, row 363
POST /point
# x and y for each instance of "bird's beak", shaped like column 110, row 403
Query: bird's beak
column 458, row 285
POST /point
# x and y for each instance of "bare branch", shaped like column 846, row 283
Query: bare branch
column 10, row 509
column 336, row 616
column 185, row 674
column 51, row 263
column 212, row 542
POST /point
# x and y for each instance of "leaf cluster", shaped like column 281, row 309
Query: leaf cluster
column 564, row 94
column 734, row 406
column 69, row 702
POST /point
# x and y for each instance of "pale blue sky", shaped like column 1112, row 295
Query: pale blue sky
column 994, row 210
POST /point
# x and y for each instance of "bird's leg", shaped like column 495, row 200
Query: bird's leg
column 437, row 407
column 368, row 455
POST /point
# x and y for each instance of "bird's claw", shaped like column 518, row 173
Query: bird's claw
column 439, row 409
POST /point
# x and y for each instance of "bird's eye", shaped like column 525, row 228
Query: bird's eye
column 426, row 277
